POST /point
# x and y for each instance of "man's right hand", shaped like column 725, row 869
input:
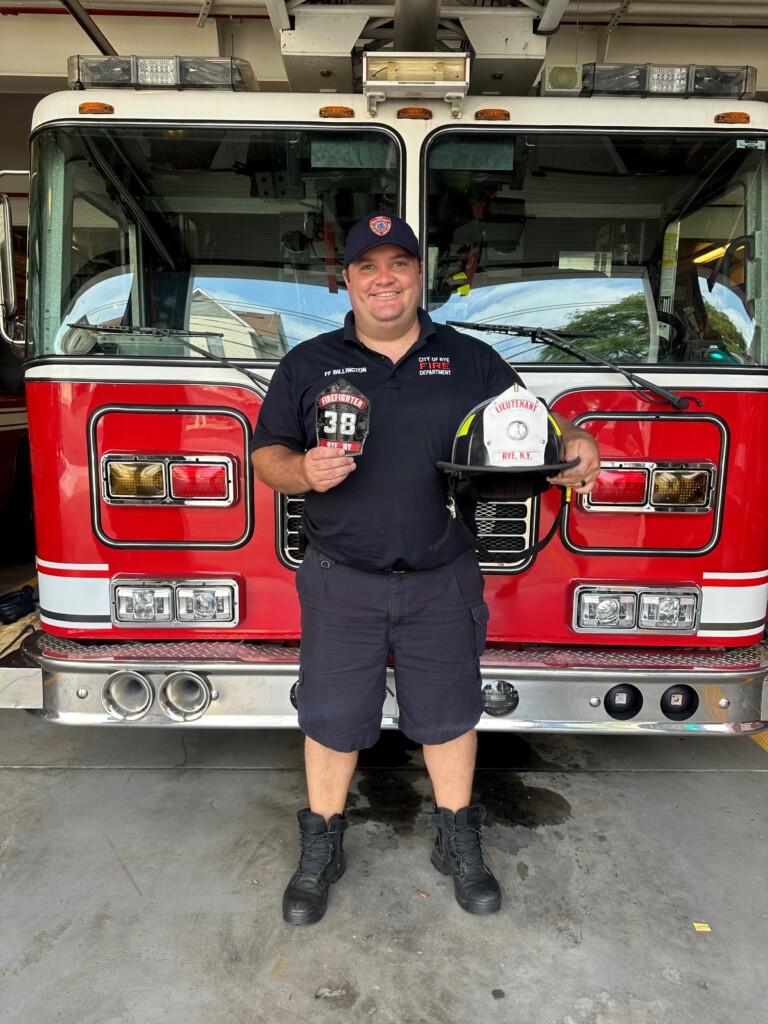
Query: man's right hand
column 325, row 468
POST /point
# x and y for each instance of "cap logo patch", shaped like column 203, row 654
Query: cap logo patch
column 380, row 225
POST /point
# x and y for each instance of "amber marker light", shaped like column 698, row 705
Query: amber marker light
column 492, row 114
column 336, row 112
column 96, row 108
column 136, row 480
column 680, row 487
column 732, row 117
column 415, row 113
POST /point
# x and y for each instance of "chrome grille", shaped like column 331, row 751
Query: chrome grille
column 504, row 527
column 291, row 539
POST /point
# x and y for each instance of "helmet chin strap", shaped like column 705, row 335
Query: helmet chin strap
column 454, row 514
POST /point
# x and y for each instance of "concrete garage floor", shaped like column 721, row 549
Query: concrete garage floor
column 141, row 874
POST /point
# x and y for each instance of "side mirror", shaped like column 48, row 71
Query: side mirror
column 7, row 277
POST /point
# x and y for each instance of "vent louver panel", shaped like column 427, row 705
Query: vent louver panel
column 504, row 527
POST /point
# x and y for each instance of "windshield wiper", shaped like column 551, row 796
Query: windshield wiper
column 541, row 336
column 177, row 335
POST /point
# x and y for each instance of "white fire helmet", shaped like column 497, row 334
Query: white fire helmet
column 508, row 445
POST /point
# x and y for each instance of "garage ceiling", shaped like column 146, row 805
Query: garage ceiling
column 607, row 13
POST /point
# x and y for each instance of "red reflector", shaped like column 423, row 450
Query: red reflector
column 193, row 480
column 620, row 487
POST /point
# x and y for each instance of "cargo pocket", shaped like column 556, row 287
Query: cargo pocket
column 311, row 575
column 480, row 614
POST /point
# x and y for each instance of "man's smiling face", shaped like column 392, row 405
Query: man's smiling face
column 384, row 289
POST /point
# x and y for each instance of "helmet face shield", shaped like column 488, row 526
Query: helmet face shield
column 506, row 446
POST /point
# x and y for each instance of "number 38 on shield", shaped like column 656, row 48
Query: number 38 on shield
column 343, row 418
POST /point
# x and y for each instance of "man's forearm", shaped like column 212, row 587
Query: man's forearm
column 280, row 468
column 568, row 428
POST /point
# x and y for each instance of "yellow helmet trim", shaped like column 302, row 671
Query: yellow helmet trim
column 464, row 428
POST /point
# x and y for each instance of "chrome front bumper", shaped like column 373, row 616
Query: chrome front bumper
column 249, row 685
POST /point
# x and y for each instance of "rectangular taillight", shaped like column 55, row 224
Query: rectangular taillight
column 135, row 480
column 680, row 487
column 168, row 479
column 199, row 480
column 652, row 487
column 620, row 487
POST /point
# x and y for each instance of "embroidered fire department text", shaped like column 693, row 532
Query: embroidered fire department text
column 434, row 365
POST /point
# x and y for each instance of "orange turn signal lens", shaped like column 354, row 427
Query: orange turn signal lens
column 415, row 113
column 135, row 480
column 93, row 108
column 680, row 487
column 492, row 114
column 96, row 108
column 336, row 112
column 732, row 117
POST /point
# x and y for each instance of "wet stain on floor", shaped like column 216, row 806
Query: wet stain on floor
column 391, row 781
column 392, row 800
column 508, row 801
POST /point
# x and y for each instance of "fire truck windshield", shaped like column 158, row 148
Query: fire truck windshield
column 231, row 234
column 645, row 242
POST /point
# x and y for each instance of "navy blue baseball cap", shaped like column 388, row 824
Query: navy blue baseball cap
column 379, row 229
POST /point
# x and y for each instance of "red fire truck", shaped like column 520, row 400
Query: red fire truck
column 609, row 242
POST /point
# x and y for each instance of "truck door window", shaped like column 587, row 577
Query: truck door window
column 706, row 301
column 642, row 244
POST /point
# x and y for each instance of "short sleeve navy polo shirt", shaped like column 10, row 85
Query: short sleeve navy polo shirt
column 388, row 512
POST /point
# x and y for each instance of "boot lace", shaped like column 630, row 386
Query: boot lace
column 468, row 846
column 314, row 853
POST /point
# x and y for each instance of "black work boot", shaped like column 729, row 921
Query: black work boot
column 459, row 852
column 321, row 862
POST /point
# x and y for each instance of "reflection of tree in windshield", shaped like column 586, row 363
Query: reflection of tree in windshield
column 723, row 330
column 620, row 332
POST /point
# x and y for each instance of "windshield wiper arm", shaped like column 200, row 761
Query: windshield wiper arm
column 152, row 332
column 540, row 335
column 183, row 337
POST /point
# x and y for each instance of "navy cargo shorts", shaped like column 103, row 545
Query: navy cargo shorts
column 432, row 622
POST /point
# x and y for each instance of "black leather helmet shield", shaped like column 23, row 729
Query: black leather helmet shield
column 343, row 417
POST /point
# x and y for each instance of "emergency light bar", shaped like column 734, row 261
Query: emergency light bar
column 682, row 80
column 86, row 72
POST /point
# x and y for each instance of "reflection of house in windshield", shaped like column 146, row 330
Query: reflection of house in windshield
column 245, row 334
